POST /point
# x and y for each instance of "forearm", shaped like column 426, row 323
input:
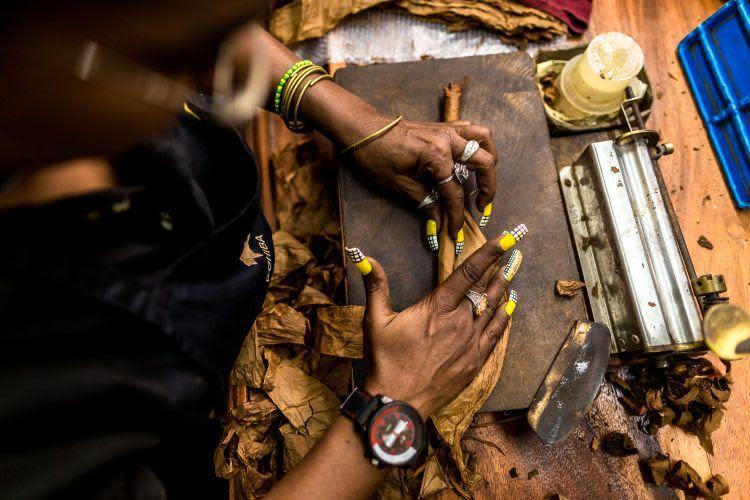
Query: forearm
column 326, row 107
column 335, row 468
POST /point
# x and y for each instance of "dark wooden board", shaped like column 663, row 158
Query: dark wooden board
column 502, row 95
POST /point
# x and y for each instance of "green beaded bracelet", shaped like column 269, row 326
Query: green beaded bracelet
column 280, row 87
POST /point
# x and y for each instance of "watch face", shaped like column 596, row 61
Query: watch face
column 396, row 434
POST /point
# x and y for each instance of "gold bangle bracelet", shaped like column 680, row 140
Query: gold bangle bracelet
column 372, row 136
column 295, row 124
column 293, row 85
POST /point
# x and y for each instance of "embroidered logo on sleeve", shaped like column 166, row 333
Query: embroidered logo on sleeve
column 250, row 257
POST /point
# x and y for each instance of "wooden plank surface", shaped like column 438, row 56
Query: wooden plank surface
column 502, row 95
column 691, row 174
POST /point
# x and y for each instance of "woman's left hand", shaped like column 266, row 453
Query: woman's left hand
column 413, row 157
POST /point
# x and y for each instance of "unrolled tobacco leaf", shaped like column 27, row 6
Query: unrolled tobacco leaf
column 249, row 368
column 249, row 440
column 618, row 444
column 338, row 331
column 303, row 19
column 310, row 297
column 568, row 288
column 281, row 324
column 306, row 403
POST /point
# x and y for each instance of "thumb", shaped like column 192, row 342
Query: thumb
column 376, row 284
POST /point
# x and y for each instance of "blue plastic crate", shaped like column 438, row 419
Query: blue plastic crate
column 716, row 59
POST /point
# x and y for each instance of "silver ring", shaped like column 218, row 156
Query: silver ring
column 469, row 150
column 446, row 180
column 460, row 172
column 428, row 200
column 478, row 301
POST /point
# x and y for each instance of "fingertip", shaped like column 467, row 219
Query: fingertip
column 431, row 231
column 360, row 261
column 459, row 241
column 510, row 306
column 486, row 214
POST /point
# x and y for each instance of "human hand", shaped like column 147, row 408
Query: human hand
column 428, row 353
column 412, row 159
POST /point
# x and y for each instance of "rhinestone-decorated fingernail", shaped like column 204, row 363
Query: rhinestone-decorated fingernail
column 486, row 215
column 513, row 264
column 510, row 239
column 431, row 230
column 460, row 241
column 359, row 260
column 512, row 301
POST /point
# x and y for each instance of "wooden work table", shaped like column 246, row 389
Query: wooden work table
column 692, row 175
column 704, row 207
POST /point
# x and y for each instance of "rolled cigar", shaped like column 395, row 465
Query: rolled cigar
column 452, row 101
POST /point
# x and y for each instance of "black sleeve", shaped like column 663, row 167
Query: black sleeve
column 98, row 404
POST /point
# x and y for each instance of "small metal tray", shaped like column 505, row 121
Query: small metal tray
column 715, row 57
column 557, row 128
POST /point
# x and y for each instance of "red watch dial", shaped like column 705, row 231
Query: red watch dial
column 396, row 434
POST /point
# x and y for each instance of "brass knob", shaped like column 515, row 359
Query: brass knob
column 726, row 330
column 667, row 148
column 709, row 283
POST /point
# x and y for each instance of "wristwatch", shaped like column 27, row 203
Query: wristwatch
column 392, row 430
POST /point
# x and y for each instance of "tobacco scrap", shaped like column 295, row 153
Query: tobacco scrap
column 532, row 474
column 550, row 92
column 595, row 443
column 703, row 241
column 689, row 393
column 662, row 470
column 513, row 472
column 568, row 288
column 618, row 444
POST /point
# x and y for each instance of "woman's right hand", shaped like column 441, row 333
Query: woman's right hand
column 428, row 353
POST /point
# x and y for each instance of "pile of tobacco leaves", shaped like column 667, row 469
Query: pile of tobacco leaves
column 689, row 392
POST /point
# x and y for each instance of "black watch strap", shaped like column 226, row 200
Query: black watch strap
column 359, row 406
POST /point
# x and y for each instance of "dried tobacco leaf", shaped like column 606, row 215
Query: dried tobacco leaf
column 338, row 331
column 249, row 368
column 248, row 443
column 618, row 444
column 281, row 324
column 568, row 288
column 310, row 297
column 306, row 403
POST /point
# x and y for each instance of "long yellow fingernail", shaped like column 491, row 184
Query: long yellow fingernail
column 514, row 263
column 459, row 241
column 510, row 239
column 512, row 301
column 486, row 215
column 359, row 260
column 431, row 231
